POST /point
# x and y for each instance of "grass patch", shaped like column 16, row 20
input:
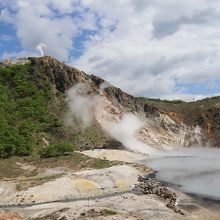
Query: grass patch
column 25, row 184
column 9, row 168
column 55, row 150
column 106, row 212
column 92, row 213
column 53, row 216
column 75, row 161
column 145, row 99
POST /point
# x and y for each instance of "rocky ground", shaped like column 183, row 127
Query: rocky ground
column 112, row 155
column 116, row 192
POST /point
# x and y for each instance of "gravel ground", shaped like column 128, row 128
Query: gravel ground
column 93, row 194
column 120, row 155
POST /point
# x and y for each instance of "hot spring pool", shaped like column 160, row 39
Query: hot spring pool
column 192, row 170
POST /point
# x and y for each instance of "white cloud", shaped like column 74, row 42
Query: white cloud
column 14, row 55
column 146, row 47
column 48, row 21
column 188, row 97
column 6, row 37
column 155, row 45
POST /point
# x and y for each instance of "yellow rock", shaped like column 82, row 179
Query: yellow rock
column 82, row 184
column 121, row 185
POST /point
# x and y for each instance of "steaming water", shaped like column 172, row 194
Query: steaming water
column 195, row 170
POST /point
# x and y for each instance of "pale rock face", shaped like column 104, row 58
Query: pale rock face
column 160, row 132
column 163, row 132
column 20, row 61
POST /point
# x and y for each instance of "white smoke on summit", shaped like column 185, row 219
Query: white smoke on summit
column 40, row 47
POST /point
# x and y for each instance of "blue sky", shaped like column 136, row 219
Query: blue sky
column 8, row 40
column 167, row 49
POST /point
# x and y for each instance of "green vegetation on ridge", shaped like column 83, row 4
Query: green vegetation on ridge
column 32, row 106
column 144, row 99
column 23, row 109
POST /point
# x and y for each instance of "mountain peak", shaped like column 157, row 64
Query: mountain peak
column 165, row 123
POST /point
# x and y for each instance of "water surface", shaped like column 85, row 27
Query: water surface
column 194, row 170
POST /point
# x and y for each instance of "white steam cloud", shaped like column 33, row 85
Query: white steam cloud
column 40, row 47
column 85, row 105
column 125, row 131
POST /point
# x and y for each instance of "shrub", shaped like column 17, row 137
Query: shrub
column 55, row 150
column 23, row 109
column 145, row 99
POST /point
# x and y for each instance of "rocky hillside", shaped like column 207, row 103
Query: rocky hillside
column 203, row 113
column 33, row 106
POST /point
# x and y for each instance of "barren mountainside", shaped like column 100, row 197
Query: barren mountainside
column 33, row 108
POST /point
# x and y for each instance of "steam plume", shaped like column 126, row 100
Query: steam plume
column 84, row 106
column 40, row 47
column 125, row 131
